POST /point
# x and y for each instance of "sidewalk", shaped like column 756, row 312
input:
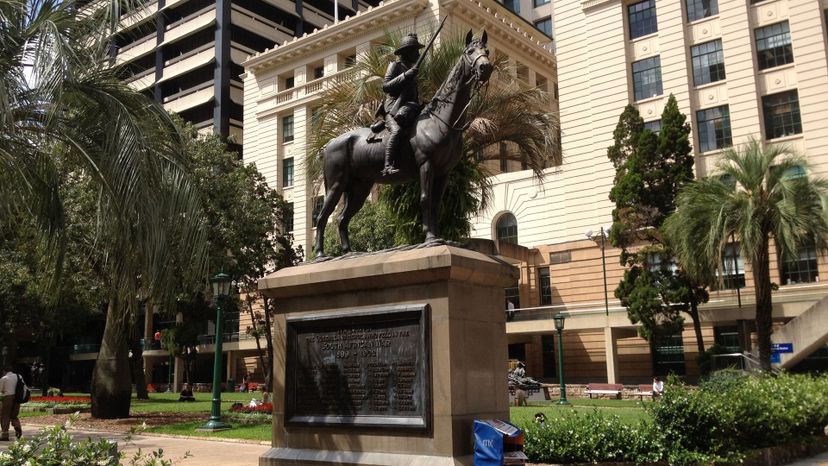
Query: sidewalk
column 202, row 452
column 818, row 460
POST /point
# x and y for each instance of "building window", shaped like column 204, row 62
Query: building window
column 781, row 114
column 561, row 257
column 548, row 353
column 350, row 61
column 289, row 83
column 728, row 338
column 642, row 18
column 517, row 351
column 734, row 268
column 545, row 26
column 507, row 230
column 698, row 9
column 714, row 128
column 801, row 268
column 504, row 165
column 318, row 72
column 668, row 355
column 288, row 220
column 318, row 201
column 773, row 45
column 656, row 263
column 647, row 78
column 513, row 5
column 287, row 128
column 654, row 126
column 540, row 83
column 513, row 295
column 287, row 172
column 537, row 3
column 545, row 286
column 708, row 62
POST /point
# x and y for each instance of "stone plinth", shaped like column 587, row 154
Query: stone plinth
column 467, row 349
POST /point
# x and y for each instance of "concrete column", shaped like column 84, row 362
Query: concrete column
column 231, row 365
column 611, row 349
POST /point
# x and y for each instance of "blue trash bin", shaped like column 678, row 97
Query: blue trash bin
column 488, row 441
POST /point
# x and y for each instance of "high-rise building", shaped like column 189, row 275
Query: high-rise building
column 187, row 54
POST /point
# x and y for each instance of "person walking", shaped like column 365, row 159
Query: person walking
column 10, row 408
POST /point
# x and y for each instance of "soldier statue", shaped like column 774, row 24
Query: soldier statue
column 402, row 104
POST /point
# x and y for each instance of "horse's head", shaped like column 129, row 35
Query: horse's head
column 476, row 58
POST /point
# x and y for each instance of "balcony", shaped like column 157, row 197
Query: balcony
column 141, row 14
column 143, row 80
column 261, row 26
column 232, row 337
column 308, row 89
column 137, row 49
column 186, row 26
column 190, row 61
column 189, row 98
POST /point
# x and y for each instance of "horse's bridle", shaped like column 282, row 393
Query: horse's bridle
column 475, row 75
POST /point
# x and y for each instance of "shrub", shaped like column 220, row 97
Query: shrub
column 592, row 437
column 55, row 446
column 731, row 413
column 262, row 408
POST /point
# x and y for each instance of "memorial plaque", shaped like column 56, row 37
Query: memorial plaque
column 361, row 368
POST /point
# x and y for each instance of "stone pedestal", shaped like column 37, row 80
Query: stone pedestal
column 462, row 293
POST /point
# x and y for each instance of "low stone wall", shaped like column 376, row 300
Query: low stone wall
column 630, row 392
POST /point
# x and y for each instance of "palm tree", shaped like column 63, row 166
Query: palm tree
column 507, row 110
column 756, row 193
column 65, row 120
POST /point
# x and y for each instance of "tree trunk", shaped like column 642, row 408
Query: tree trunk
column 764, row 305
column 253, row 320
column 111, row 384
column 269, row 366
column 694, row 314
column 136, row 363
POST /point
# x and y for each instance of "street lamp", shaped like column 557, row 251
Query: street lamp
column 559, row 326
column 221, row 288
column 603, row 234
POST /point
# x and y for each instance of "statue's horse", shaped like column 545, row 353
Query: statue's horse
column 352, row 164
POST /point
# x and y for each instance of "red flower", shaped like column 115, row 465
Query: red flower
column 61, row 399
column 263, row 408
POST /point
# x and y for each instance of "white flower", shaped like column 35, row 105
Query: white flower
column 103, row 462
column 27, row 448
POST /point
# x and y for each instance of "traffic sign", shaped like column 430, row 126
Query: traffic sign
column 782, row 347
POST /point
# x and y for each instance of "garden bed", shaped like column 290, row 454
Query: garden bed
column 58, row 404
column 250, row 415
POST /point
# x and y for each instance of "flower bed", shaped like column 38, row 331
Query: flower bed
column 261, row 414
column 58, row 404
column 262, row 408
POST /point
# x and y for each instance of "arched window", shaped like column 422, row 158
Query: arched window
column 506, row 229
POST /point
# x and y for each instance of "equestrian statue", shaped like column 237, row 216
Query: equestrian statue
column 413, row 142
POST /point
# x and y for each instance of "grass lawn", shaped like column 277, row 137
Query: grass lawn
column 33, row 413
column 630, row 411
column 168, row 402
column 260, row 432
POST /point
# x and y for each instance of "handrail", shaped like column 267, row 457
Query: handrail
column 260, row 19
column 189, row 91
column 190, row 17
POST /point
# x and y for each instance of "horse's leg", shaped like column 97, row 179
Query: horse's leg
column 437, row 191
column 426, row 192
column 332, row 195
column 354, row 199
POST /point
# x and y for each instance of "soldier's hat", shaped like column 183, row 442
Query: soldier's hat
column 408, row 41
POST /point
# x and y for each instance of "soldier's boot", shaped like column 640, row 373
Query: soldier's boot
column 389, row 169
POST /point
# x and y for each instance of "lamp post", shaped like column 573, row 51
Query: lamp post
column 603, row 265
column 559, row 326
column 221, row 288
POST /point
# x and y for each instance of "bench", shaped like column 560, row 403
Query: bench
column 643, row 390
column 597, row 389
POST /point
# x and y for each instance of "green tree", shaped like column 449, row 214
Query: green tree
column 650, row 169
column 244, row 219
column 371, row 230
column 506, row 110
column 756, row 193
column 65, row 115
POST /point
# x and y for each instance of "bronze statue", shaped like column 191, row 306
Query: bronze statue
column 429, row 148
column 402, row 102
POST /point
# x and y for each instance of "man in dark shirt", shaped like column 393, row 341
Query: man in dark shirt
column 402, row 103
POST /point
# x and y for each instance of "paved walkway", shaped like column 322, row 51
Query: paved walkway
column 230, row 452
column 202, row 452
